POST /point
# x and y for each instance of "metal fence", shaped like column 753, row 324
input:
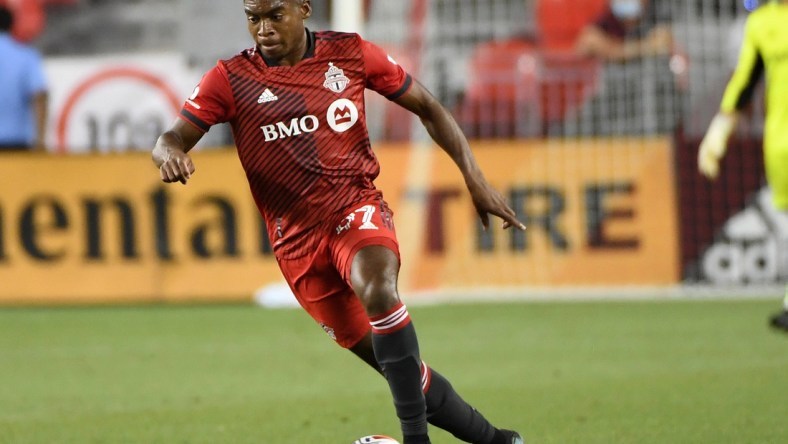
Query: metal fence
column 483, row 59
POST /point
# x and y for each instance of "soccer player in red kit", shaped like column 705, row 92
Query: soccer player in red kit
column 295, row 103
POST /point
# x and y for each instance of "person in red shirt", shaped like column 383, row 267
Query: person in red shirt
column 629, row 29
column 295, row 103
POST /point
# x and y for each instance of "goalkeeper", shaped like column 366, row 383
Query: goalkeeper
column 764, row 49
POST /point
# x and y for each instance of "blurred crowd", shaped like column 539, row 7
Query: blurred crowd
column 585, row 67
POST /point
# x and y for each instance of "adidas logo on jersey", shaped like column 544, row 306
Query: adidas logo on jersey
column 267, row 96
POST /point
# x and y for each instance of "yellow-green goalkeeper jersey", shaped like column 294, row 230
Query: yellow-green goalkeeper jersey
column 765, row 46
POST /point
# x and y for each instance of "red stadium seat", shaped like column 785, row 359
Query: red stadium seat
column 502, row 89
column 566, row 81
column 516, row 89
column 560, row 21
column 29, row 18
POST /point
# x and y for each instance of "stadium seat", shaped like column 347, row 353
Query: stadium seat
column 29, row 18
column 566, row 81
column 517, row 89
column 560, row 21
column 500, row 96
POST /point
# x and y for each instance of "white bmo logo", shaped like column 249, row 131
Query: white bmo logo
column 342, row 115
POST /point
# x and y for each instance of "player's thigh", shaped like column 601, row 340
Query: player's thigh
column 365, row 224
column 776, row 159
column 325, row 295
column 373, row 277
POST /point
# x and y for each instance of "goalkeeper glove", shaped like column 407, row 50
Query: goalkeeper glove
column 713, row 146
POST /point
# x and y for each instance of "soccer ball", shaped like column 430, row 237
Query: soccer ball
column 376, row 439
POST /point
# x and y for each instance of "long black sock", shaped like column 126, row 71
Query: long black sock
column 447, row 410
column 397, row 351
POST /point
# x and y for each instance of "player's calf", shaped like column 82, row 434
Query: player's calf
column 397, row 352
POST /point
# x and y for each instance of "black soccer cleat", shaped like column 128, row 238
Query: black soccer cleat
column 780, row 321
column 513, row 437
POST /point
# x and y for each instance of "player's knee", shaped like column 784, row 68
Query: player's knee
column 374, row 279
column 378, row 296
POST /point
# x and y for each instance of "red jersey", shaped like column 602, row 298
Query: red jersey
column 301, row 131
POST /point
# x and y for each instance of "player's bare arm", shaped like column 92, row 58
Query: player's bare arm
column 447, row 134
column 594, row 42
column 40, row 106
column 171, row 152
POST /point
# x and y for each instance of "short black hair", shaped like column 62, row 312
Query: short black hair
column 6, row 19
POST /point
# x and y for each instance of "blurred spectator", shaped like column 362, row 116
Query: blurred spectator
column 23, row 92
column 644, row 70
column 629, row 29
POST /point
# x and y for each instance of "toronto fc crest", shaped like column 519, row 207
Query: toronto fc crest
column 335, row 79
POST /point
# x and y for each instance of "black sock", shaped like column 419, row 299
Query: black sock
column 418, row 439
column 447, row 410
column 500, row 438
column 397, row 351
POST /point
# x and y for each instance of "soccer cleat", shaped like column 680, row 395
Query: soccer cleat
column 780, row 321
column 513, row 437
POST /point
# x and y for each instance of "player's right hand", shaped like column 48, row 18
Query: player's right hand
column 177, row 167
column 714, row 144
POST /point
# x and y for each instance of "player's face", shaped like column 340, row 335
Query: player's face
column 277, row 26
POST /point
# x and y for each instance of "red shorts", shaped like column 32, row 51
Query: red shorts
column 321, row 280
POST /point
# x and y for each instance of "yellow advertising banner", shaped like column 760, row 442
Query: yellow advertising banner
column 103, row 228
column 599, row 213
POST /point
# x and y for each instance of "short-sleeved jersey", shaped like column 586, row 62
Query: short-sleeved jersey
column 765, row 48
column 21, row 77
column 301, row 131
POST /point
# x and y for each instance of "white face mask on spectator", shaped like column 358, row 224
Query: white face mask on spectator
column 626, row 9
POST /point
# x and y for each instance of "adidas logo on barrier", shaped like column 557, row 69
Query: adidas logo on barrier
column 267, row 96
column 752, row 246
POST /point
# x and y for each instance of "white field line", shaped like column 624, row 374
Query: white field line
column 546, row 294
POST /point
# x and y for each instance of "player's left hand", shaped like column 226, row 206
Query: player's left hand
column 712, row 147
column 488, row 200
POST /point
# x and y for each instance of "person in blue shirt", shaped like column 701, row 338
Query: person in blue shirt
column 23, row 92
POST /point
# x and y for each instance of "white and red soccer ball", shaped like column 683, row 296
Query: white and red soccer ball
column 376, row 439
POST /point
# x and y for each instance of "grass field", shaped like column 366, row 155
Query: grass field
column 640, row 372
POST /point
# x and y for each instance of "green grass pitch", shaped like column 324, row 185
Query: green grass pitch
column 598, row 372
